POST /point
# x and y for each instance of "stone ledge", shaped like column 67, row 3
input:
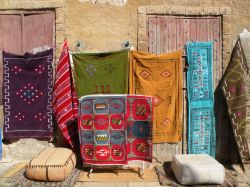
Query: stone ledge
column 29, row 4
column 182, row 10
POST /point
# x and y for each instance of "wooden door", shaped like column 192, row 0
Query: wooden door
column 170, row 33
column 38, row 30
column 23, row 31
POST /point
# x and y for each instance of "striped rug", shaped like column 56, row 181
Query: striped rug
column 65, row 103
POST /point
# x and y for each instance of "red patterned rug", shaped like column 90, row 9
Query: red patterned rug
column 115, row 129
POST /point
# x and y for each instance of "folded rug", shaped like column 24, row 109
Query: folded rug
column 27, row 95
column 234, row 91
column 65, row 103
column 201, row 121
column 101, row 73
column 115, row 129
column 161, row 77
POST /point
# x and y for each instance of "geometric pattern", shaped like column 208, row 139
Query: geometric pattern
column 160, row 76
column 166, row 74
column 40, row 69
column 27, row 95
column 119, row 134
column 101, row 73
column 145, row 74
column 201, row 121
column 233, row 88
column 166, row 122
column 65, row 103
column 91, row 69
column 157, row 100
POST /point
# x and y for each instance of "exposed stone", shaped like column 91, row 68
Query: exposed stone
column 60, row 15
column 225, row 10
column 29, row 4
column 24, row 149
column 142, row 21
column 142, row 10
column 112, row 2
column 142, row 34
column 142, row 46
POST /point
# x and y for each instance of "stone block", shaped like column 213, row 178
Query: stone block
column 227, row 19
column 60, row 36
column 227, row 42
column 142, row 21
column 142, row 46
column 60, row 27
column 227, row 27
column 142, row 10
column 24, row 149
column 151, row 10
column 200, row 11
column 142, row 34
column 191, row 11
column 212, row 11
column 177, row 10
column 225, row 10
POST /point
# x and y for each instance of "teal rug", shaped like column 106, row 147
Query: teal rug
column 201, row 121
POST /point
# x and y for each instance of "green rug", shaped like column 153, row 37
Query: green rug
column 101, row 73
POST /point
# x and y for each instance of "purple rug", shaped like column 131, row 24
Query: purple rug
column 27, row 91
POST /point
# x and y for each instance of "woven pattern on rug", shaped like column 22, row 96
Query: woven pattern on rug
column 19, row 179
column 101, row 73
column 201, row 121
column 235, row 93
column 115, row 129
column 161, row 77
column 65, row 103
column 27, row 93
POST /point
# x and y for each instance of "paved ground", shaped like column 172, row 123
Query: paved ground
column 240, row 178
column 7, row 169
column 116, row 184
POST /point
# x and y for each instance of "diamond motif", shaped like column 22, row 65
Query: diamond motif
column 157, row 100
column 16, row 70
column 39, row 69
column 91, row 69
column 40, row 117
column 166, row 122
column 29, row 94
column 19, row 116
column 166, row 74
column 145, row 74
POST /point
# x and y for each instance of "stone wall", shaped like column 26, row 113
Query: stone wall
column 103, row 25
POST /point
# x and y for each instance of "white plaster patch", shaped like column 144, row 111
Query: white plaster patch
column 112, row 2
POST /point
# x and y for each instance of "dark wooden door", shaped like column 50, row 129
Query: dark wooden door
column 170, row 33
column 23, row 31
